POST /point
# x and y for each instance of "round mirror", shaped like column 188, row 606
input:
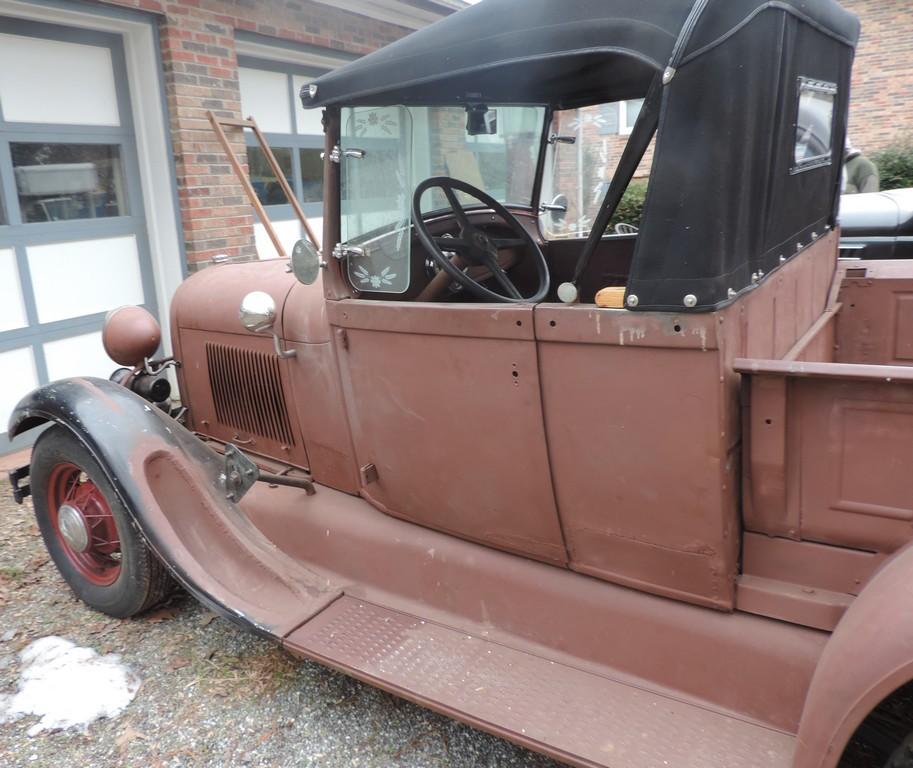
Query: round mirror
column 305, row 262
column 258, row 312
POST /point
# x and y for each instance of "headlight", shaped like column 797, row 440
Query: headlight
column 130, row 335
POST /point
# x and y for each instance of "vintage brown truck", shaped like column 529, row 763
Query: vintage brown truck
column 629, row 500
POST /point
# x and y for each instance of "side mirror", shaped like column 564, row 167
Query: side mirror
column 306, row 262
column 258, row 312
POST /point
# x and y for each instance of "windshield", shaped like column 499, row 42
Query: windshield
column 388, row 151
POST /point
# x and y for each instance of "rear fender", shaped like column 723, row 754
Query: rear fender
column 869, row 656
column 170, row 484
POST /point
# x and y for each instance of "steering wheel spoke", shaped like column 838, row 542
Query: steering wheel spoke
column 452, row 243
column 508, row 242
column 476, row 248
column 457, row 208
column 491, row 261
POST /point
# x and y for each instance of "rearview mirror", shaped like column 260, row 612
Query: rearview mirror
column 480, row 120
column 306, row 262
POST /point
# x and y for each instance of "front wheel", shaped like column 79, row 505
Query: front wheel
column 88, row 532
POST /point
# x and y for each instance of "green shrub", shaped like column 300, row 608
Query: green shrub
column 631, row 208
column 895, row 164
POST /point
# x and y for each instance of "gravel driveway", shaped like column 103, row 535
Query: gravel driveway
column 211, row 694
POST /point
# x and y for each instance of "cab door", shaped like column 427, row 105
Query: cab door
column 446, row 418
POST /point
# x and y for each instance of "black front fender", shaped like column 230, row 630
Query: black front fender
column 170, row 483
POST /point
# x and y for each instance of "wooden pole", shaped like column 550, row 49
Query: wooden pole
column 283, row 182
column 242, row 177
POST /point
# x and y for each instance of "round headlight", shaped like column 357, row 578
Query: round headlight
column 130, row 335
column 257, row 312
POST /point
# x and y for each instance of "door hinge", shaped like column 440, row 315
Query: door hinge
column 337, row 154
column 343, row 337
column 368, row 474
column 343, row 251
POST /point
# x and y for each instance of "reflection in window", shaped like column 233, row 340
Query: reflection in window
column 264, row 181
column 311, row 175
column 60, row 182
column 814, row 124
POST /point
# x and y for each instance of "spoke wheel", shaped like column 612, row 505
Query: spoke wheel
column 89, row 534
column 84, row 524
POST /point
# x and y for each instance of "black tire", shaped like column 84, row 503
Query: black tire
column 903, row 755
column 125, row 582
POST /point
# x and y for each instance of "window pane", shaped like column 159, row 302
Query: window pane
column 632, row 110
column 262, row 177
column 59, row 182
column 311, row 176
column 501, row 163
column 577, row 175
column 376, row 196
column 814, row 124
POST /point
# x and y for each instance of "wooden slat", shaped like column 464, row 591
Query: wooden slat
column 283, row 182
column 249, row 190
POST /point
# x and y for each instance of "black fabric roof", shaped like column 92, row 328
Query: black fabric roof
column 560, row 52
column 728, row 202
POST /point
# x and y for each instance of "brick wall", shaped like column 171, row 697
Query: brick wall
column 881, row 106
column 201, row 74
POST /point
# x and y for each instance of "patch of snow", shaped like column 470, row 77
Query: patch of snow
column 68, row 686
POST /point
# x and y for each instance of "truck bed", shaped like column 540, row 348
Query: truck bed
column 828, row 443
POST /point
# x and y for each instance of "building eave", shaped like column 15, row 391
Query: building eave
column 411, row 14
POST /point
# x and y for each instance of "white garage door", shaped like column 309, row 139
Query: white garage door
column 72, row 233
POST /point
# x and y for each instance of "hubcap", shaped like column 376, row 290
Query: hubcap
column 73, row 528
column 84, row 525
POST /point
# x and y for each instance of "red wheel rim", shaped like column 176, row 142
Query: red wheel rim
column 99, row 561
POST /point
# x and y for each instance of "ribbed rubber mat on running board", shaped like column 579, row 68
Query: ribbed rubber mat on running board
column 573, row 715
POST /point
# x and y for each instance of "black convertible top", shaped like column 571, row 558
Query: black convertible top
column 751, row 111
column 560, row 52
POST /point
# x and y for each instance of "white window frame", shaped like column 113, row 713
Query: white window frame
column 624, row 129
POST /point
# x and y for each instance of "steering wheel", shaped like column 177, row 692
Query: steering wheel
column 474, row 247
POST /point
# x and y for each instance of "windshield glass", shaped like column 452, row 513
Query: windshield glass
column 388, row 151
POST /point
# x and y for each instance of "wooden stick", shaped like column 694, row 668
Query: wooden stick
column 245, row 181
column 283, row 182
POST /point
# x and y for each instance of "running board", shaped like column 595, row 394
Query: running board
column 578, row 717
